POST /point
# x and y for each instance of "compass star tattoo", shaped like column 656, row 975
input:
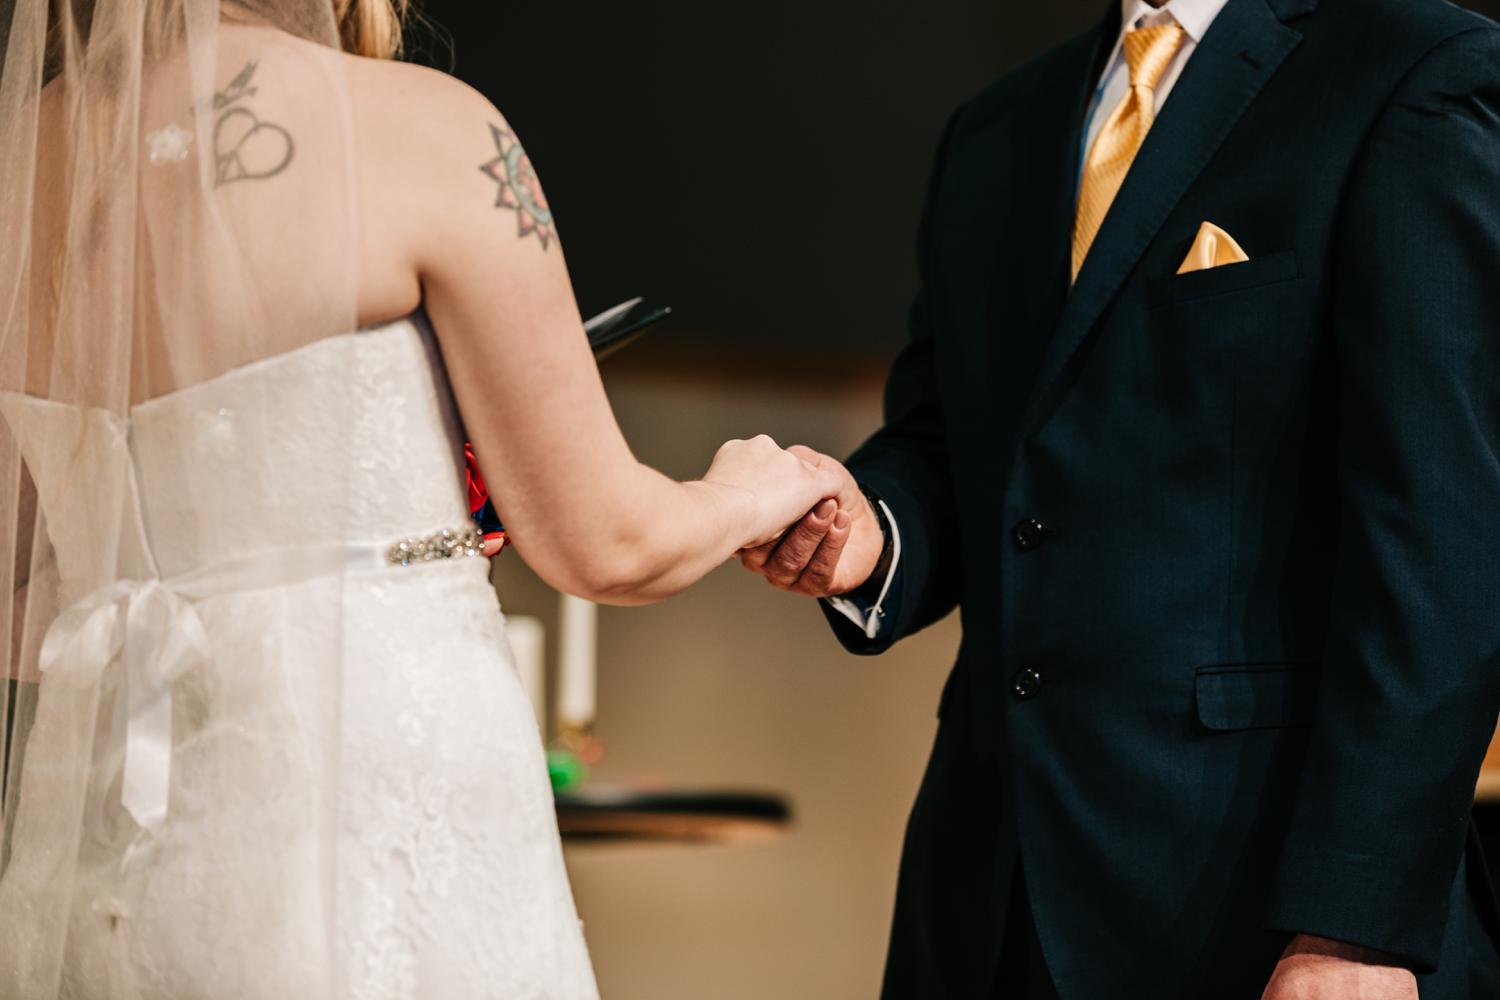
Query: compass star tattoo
column 519, row 188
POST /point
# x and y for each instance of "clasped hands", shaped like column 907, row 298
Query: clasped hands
column 830, row 549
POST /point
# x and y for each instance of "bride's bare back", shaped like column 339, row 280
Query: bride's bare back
column 359, row 190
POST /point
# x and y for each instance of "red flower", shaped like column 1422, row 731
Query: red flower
column 478, row 493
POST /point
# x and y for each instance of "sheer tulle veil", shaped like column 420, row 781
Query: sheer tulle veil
column 179, row 201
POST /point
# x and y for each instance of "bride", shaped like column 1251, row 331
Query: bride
column 264, row 736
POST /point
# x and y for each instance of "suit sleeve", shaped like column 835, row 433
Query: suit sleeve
column 906, row 462
column 1411, row 678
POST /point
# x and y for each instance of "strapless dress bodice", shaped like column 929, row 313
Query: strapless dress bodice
column 350, row 439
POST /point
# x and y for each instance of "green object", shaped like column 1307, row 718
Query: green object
column 566, row 770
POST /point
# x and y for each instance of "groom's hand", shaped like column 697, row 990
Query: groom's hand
column 1314, row 968
column 832, row 550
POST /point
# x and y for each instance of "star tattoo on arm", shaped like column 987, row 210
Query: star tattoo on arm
column 520, row 190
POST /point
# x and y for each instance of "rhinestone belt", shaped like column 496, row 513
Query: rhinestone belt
column 461, row 544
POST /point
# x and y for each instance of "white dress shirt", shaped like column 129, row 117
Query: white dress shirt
column 1194, row 16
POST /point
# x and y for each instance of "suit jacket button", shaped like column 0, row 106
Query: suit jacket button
column 1028, row 534
column 1027, row 684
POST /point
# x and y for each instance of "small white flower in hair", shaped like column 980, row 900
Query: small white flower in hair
column 168, row 145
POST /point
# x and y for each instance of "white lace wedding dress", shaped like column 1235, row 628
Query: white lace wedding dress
column 386, row 834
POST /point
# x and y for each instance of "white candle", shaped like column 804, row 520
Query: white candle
column 528, row 641
column 576, row 650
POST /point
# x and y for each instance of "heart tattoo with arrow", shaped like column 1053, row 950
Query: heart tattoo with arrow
column 246, row 147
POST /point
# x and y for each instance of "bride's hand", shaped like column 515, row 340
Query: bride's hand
column 776, row 486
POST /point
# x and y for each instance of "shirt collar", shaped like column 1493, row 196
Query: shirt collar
column 1194, row 15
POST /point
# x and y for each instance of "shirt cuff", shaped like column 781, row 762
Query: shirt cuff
column 870, row 618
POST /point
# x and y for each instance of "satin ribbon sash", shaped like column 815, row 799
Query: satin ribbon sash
column 153, row 629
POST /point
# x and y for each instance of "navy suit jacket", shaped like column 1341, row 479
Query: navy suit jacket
column 1242, row 686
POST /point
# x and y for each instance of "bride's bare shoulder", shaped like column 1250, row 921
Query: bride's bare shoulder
column 442, row 161
column 408, row 83
column 414, row 109
column 426, row 132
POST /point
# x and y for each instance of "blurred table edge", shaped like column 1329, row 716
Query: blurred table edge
column 608, row 815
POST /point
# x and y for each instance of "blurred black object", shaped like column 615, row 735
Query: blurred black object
column 614, row 328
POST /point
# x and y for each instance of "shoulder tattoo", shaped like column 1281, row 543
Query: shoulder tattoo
column 520, row 190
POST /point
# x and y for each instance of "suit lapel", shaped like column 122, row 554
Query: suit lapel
column 1015, row 290
column 1058, row 138
column 1240, row 52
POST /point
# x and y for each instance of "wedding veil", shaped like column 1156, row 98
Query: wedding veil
column 179, row 202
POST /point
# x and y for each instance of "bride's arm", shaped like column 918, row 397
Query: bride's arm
column 582, row 511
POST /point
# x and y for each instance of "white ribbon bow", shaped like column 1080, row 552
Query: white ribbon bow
column 160, row 638
column 154, row 627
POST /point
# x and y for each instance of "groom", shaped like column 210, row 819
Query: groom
column 1199, row 426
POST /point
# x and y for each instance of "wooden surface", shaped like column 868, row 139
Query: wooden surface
column 612, row 815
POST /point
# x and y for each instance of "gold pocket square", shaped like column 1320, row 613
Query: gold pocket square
column 1213, row 248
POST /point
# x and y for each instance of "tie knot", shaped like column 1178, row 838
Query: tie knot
column 1149, row 52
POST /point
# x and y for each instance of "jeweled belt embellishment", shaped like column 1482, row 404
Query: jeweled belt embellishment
column 447, row 544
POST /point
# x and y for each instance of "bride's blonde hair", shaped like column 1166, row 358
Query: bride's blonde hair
column 372, row 28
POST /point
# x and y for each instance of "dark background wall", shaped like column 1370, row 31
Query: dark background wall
column 758, row 166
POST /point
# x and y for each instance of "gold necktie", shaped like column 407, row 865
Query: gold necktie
column 1148, row 51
